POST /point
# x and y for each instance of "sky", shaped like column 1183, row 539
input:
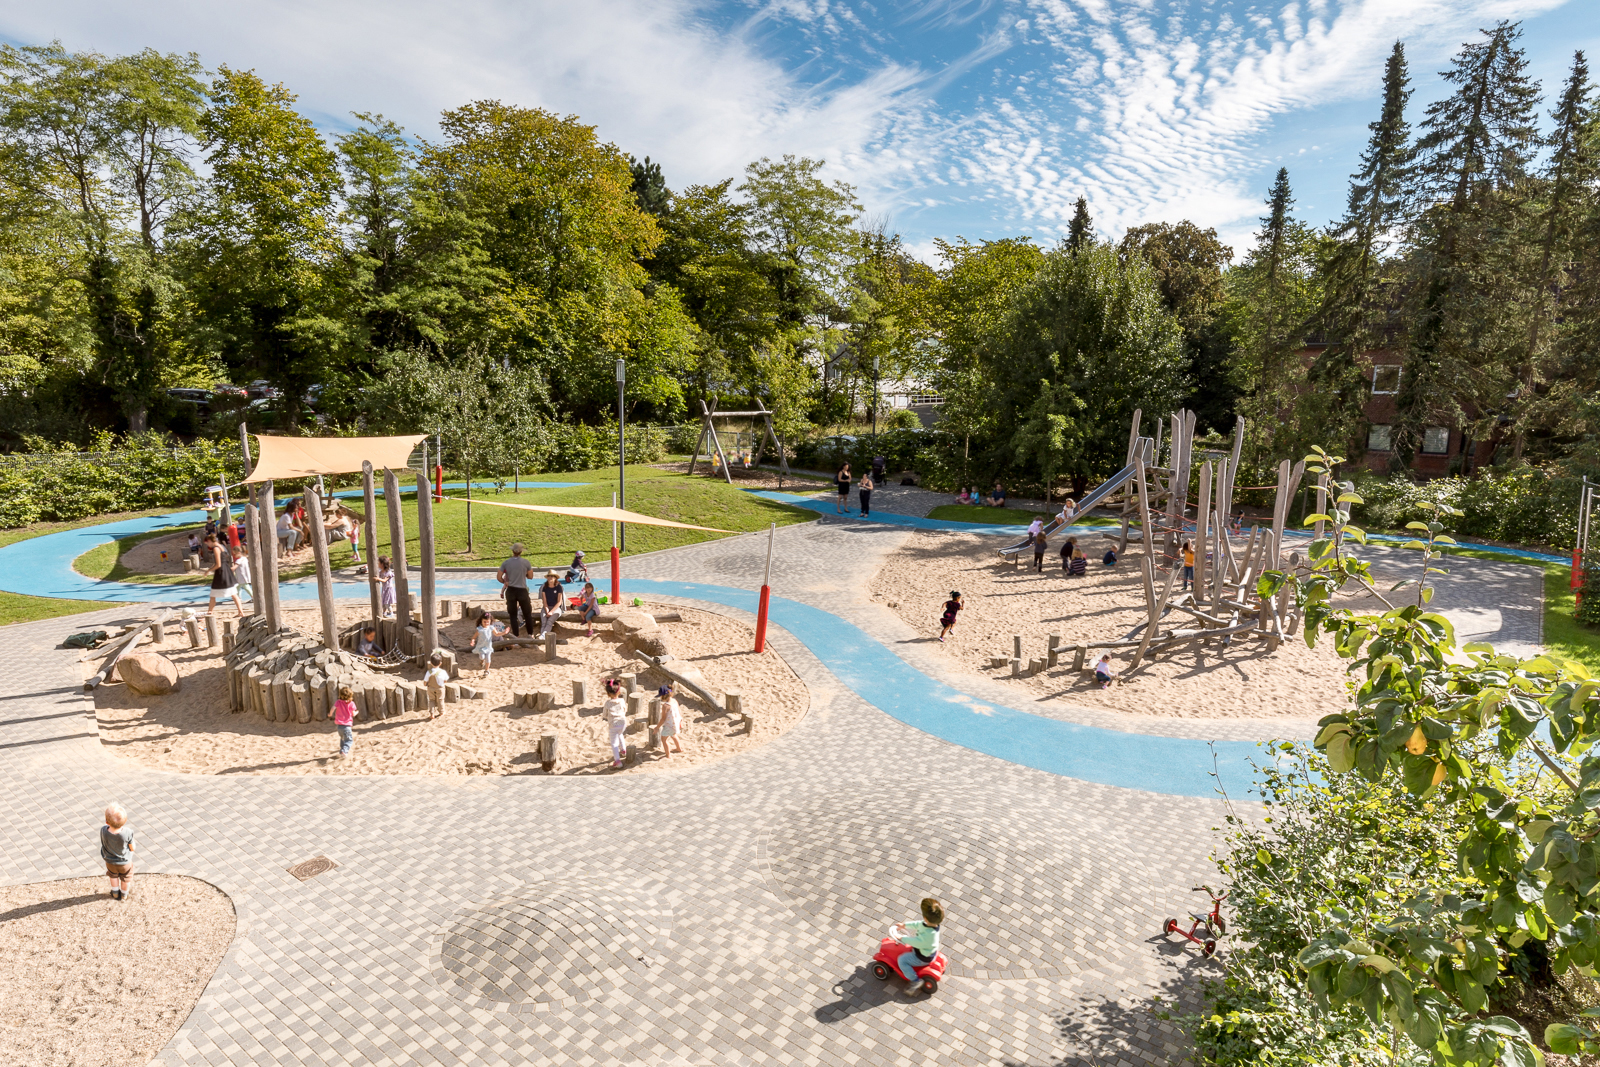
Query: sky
column 950, row 118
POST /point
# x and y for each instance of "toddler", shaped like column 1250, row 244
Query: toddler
column 386, row 585
column 589, row 606
column 483, row 641
column 116, row 848
column 922, row 942
column 671, row 720
column 434, row 679
column 1103, row 673
column 616, row 713
column 344, row 717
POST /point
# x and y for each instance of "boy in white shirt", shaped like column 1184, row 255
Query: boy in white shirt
column 434, row 679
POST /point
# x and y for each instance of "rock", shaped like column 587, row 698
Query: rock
column 628, row 622
column 652, row 643
column 148, row 673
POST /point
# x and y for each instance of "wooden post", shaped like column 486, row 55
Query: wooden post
column 158, row 628
column 549, row 751
column 550, row 648
column 580, row 692
column 1133, row 436
column 212, row 640
column 1016, row 646
column 268, row 579
column 733, row 701
column 193, row 627
column 630, row 682
column 319, row 552
column 1156, row 608
column 1202, row 527
column 397, row 544
column 369, row 534
column 252, row 548
column 1144, row 509
column 430, row 609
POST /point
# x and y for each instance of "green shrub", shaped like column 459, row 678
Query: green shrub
column 1529, row 506
column 903, row 419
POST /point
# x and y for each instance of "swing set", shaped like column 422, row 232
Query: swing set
column 748, row 445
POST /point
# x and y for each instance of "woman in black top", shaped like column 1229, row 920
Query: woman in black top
column 223, row 583
column 866, row 495
column 844, row 489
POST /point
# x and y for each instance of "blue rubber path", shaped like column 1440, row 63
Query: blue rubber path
column 827, row 506
column 42, row 566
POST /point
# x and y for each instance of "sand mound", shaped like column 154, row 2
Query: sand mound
column 86, row 981
column 1242, row 681
column 192, row 730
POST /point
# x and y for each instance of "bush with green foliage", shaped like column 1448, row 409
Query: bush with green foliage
column 1530, row 505
column 115, row 474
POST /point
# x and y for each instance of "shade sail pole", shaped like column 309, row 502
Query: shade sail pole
column 616, row 561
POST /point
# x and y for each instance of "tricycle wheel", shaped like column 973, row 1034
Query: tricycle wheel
column 930, row 985
column 1170, row 926
column 1210, row 948
column 880, row 972
column 1222, row 926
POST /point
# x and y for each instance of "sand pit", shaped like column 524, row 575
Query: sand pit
column 193, row 731
column 86, row 981
column 1244, row 681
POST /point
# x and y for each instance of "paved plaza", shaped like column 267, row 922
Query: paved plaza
column 721, row 915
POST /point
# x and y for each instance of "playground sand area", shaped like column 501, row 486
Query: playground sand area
column 145, row 557
column 192, row 729
column 1195, row 681
column 87, row 981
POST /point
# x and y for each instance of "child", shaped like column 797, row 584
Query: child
column 386, row 585
column 367, row 645
column 116, row 848
column 241, row 572
column 579, row 571
column 922, row 943
column 483, row 641
column 1103, row 673
column 952, row 608
column 965, row 497
column 1040, row 544
column 1067, row 551
column 1110, row 558
column 344, row 717
column 194, row 544
column 671, row 720
column 589, row 606
column 1069, row 511
column 1188, row 564
column 1080, row 564
column 434, row 679
column 616, row 713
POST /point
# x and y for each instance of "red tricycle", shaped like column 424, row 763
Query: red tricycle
column 887, row 962
column 1215, row 925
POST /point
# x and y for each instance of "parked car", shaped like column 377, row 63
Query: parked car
column 190, row 396
column 228, row 389
column 261, row 389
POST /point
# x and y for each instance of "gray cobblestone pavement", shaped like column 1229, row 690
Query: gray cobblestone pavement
column 720, row 915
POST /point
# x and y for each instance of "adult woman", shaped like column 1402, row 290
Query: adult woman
column 551, row 596
column 843, row 480
column 288, row 531
column 866, row 495
column 223, row 582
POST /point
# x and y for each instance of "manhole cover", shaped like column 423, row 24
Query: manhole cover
column 310, row 868
column 564, row 940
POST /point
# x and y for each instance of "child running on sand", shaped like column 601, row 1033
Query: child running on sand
column 616, row 713
column 671, row 720
column 116, row 848
column 344, row 717
column 952, row 608
column 483, row 641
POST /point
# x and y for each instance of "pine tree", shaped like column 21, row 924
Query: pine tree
column 1566, row 184
column 1354, row 310
column 649, row 187
column 1475, row 155
column 1275, row 224
column 1080, row 231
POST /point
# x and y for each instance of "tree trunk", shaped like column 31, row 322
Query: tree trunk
column 469, row 510
column 139, row 419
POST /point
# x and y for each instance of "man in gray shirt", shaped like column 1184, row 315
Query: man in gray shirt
column 514, row 576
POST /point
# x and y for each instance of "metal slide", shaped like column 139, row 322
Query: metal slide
column 1092, row 500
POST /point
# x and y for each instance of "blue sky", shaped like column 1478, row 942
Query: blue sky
column 978, row 118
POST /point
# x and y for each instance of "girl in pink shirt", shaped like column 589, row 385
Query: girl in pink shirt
column 344, row 717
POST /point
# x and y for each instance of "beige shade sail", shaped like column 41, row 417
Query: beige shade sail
column 603, row 514
column 302, row 457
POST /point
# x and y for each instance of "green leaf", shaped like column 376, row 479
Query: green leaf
column 1417, row 526
column 1564, row 1040
column 1263, row 857
column 1381, row 964
column 1341, row 758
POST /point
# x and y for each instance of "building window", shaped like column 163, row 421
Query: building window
column 1386, row 379
column 1378, row 439
column 1436, row 440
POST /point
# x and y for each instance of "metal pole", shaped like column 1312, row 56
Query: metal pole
column 766, row 594
column 622, row 454
column 616, row 561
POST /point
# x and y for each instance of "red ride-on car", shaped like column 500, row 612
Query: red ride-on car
column 887, row 962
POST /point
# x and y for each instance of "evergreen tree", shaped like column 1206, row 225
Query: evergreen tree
column 1566, row 191
column 649, row 187
column 1354, row 313
column 1080, row 231
column 1473, row 167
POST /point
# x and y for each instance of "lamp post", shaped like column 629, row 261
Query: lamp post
column 622, row 436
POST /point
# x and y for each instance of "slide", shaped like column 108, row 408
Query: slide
column 1092, row 500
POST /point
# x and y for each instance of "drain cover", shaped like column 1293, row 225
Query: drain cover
column 308, row 869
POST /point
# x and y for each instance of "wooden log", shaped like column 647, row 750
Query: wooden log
column 397, row 544
column 330, row 694
column 1016, row 646
column 654, row 712
column 158, row 629
column 1053, row 641
column 213, row 638
column 444, row 609
column 447, row 662
column 733, row 702
column 1016, row 667
column 1078, row 656
column 319, row 552
column 452, row 693
column 630, row 682
column 123, row 645
column 549, row 751
column 193, row 628
column 580, row 692
column 267, row 579
column 1202, row 530
column 252, row 545
column 397, row 702
column 227, row 627
column 302, row 703
column 681, row 680
column 550, row 648
column 425, row 549
column 320, row 707
column 1157, row 608
column 749, row 723
column 375, row 701
column 636, row 703
column 1052, row 656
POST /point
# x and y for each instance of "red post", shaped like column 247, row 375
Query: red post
column 616, row 576
column 438, row 481
column 761, row 619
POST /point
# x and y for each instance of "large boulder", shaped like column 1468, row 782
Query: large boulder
column 652, row 642
column 148, row 673
column 630, row 622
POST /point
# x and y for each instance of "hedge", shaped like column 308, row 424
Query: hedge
column 1529, row 506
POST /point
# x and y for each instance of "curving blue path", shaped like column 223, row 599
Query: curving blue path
column 42, row 566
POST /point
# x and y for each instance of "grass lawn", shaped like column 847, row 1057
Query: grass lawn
column 14, row 607
column 105, row 561
column 1003, row 516
column 1563, row 634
